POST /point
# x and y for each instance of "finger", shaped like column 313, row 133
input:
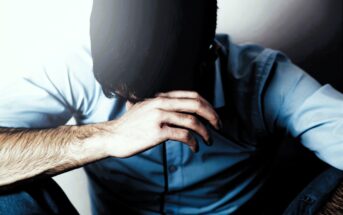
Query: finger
column 181, row 135
column 185, row 95
column 179, row 94
column 186, row 121
column 188, row 106
column 189, row 95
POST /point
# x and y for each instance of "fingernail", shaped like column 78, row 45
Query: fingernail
column 210, row 141
column 220, row 124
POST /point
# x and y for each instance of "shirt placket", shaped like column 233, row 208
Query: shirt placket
column 175, row 175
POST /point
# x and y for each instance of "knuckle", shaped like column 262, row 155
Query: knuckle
column 155, row 117
column 161, row 100
column 186, row 136
column 198, row 104
column 192, row 121
column 158, row 114
column 144, row 104
column 157, row 102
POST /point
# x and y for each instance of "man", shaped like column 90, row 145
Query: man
column 162, row 84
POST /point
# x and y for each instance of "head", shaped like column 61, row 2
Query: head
column 142, row 47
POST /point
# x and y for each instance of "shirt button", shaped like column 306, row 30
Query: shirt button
column 308, row 199
column 172, row 169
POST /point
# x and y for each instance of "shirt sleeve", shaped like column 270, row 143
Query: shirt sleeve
column 312, row 113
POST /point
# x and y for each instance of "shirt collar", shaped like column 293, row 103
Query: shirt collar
column 219, row 96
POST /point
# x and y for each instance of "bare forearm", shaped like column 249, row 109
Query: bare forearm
column 26, row 153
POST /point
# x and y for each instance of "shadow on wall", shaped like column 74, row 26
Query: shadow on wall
column 310, row 32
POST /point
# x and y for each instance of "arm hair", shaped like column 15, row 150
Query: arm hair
column 28, row 153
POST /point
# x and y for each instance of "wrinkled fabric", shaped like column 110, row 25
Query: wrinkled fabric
column 260, row 95
column 40, row 197
column 315, row 196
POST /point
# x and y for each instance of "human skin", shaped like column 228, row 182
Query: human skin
column 29, row 153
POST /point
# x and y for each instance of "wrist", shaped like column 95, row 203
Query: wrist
column 90, row 145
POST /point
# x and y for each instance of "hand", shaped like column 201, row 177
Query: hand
column 169, row 116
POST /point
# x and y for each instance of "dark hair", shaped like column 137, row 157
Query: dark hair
column 138, row 47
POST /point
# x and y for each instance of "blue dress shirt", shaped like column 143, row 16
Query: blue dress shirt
column 260, row 95
column 272, row 98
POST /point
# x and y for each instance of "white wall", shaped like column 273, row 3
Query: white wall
column 297, row 27
column 74, row 184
